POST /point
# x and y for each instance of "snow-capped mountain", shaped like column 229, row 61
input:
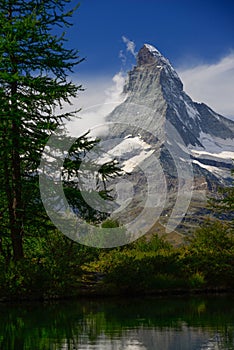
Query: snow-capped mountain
column 158, row 121
column 154, row 95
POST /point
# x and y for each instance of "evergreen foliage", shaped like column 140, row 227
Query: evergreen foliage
column 35, row 83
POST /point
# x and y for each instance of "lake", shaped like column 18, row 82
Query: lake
column 145, row 323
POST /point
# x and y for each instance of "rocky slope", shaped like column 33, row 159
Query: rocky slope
column 174, row 150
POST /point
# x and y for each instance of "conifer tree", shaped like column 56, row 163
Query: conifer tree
column 35, row 66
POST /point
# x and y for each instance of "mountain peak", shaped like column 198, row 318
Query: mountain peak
column 146, row 55
column 149, row 55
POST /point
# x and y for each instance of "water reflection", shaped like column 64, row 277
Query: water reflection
column 132, row 324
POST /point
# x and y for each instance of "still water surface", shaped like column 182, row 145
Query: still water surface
column 177, row 323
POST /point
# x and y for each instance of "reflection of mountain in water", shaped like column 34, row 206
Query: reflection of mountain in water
column 183, row 338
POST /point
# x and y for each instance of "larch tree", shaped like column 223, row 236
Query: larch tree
column 35, row 66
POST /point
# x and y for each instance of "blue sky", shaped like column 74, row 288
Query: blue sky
column 201, row 30
column 196, row 36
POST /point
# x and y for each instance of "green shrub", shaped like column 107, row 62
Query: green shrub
column 197, row 280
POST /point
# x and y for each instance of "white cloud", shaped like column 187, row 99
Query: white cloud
column 114, row 92
column 212, row 84
column 122, row 57
column 130, row 45
column 100, row 98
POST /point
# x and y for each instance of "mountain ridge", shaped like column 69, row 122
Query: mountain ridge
column 193, row 144
column 155, row 83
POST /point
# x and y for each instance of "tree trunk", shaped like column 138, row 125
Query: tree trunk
column 17, row 210
column 17, row 243
column 12, row 164
column 16, row 222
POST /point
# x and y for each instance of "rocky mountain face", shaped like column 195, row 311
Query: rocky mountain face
column 160, row 135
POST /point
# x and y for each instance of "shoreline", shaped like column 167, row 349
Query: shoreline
column 212, row 291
